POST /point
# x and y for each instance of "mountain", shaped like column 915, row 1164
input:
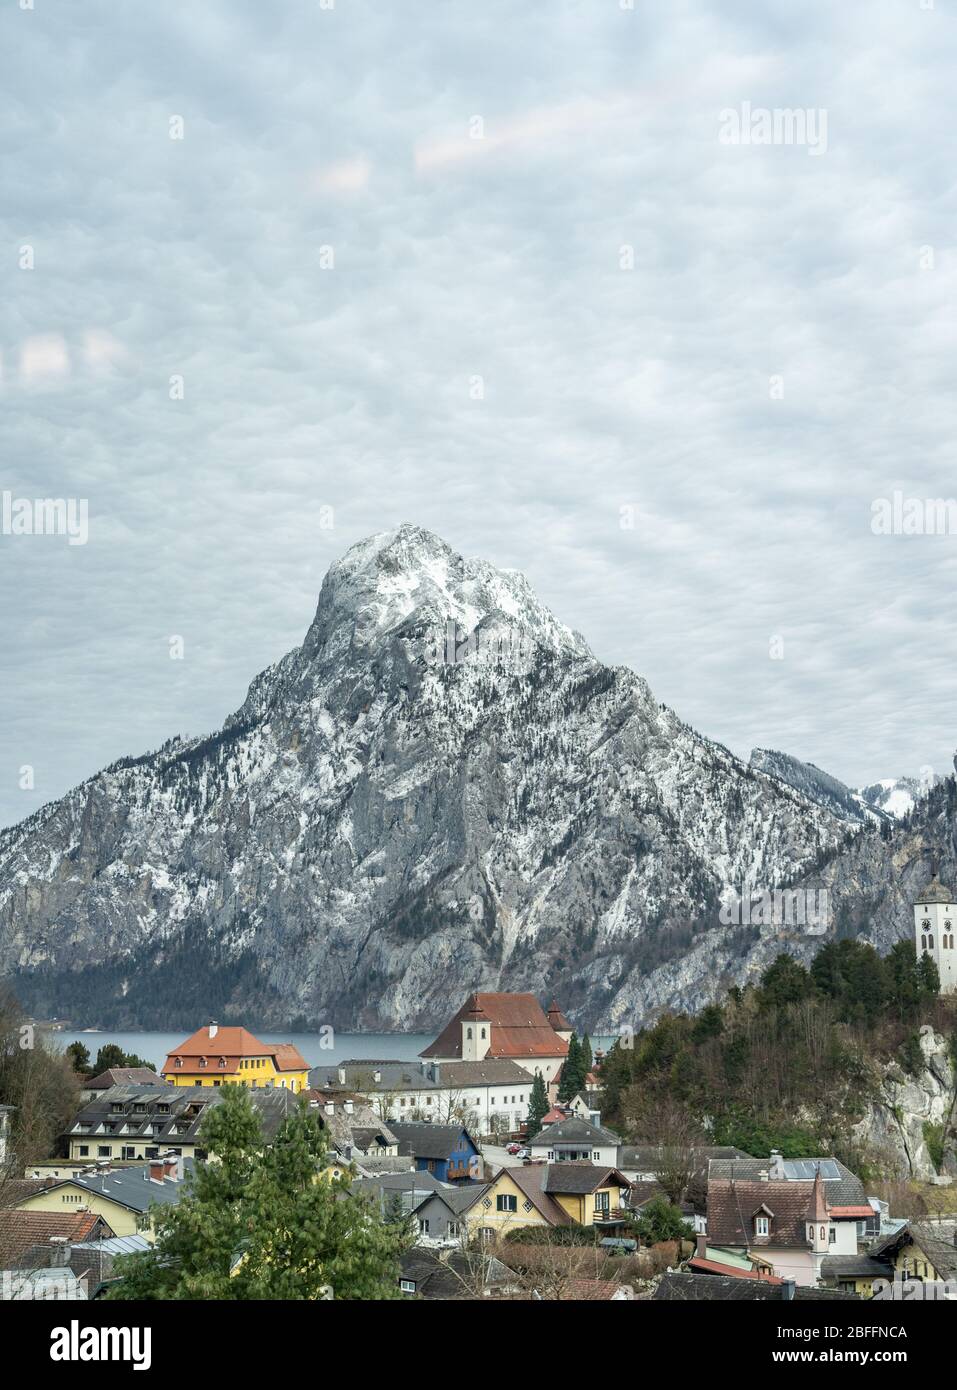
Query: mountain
column 442, row 790
column 817, row 786
column 896, row 797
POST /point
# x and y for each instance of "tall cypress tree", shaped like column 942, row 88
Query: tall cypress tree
column 538, row 1106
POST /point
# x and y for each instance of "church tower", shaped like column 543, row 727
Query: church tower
column 935, row 925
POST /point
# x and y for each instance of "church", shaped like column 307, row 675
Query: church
column 935, row 916
column 505, row 1025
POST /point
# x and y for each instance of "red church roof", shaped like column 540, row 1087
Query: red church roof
column 520, row 1028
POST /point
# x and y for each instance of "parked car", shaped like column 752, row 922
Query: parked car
column 524, row 1153
column 512, row 1148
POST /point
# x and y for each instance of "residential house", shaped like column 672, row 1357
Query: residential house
column 447, row 1151
column 923, row 1250
column 855, row 1273
column 119, row 1076
column 486, row 1097
column 21, row 1229
column 675, row 1287
column 435, row 1207
column 548, row 1194
column 512, row 1026
column 643, row 1162
column 786, row 1226
column 457, row 1275
column 354, row 1128
column 130, row 1123
column 122, row 1196
column 567, row 1141
column 213, row 1055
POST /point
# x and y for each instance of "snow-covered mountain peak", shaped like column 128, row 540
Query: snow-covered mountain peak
column 384, row 582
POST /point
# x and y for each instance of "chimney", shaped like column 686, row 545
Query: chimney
column 170, row 1167
column 104, row 1165
column 787, row 1290
column 436, row 1072
column 157, row 1169
column 213, row 1028
column 342, row 1076
column 330, row 1107
column 777, row 1165
column 763, row 1175
column 349, row 1107
column 701, row 1246
column 59, row 1252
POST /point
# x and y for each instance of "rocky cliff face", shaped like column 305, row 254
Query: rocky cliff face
column 441, row 790
column 912, row 1114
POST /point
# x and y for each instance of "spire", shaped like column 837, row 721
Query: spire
column 557, row 1019
column 818, row 1210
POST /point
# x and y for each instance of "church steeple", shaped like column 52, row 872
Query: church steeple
column 935, row 927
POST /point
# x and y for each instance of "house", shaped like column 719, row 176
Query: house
column 21, row 1229
column 596, row 1291
column 435, row 1207
column 487, row 1097
column 213, row 1055
column 854, row 1273
column 130, row 1123
column 924, row 1250
column 843, row 1189
column 457, row 1275
column 353, row 1127
column 643, row 1162
column 447, row 1151
column 675, row 1287
column 566, row 1141
column 786, row 1226
column 513, row 1026
column 119, row 1076
column 548, row 1194
column 122, row 1196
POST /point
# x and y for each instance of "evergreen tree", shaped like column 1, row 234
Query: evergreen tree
column 587, row 1059
column 261, row 1223
column 79, row 1058
column 571, row 1079
column 538, row 1106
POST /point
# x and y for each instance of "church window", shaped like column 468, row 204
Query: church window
column 468, row 1034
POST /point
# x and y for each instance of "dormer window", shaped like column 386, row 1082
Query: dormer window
column 202, row 1061
column 178, row 1062
column 762, row 1226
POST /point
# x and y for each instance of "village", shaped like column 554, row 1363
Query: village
column 491, row 1153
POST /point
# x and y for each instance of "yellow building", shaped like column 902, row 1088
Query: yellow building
column 122, row 1196
column 548, row 1194
column 214, row 1055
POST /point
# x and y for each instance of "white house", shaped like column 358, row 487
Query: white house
column 571, row 1140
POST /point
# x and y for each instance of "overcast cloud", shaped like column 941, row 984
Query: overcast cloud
column 352, row 386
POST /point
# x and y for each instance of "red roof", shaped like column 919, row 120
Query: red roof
column 520, row 1028
column 232, row 1045
column 20, row 1229
column 859, row 1213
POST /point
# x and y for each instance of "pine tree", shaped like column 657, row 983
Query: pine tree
column 538, row 1106
column 572, row 1075
column 265, row 1223
column 587, row 1058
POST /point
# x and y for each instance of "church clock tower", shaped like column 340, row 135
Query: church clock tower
column 935, row 925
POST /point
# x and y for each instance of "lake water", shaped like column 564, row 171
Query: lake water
column 155, row 1047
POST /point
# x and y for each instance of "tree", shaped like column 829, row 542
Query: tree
column 538, row 1106
column 112, row 1055
column 784, row 982
column 573, row 1071
column 261, row 1223
column 79, row 1056
column 587, row 1058
column 41, row 1086
column 659, row 1220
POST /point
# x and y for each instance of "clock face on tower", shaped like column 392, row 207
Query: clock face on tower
column 925, row 925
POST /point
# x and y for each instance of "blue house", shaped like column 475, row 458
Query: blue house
column 447, row 1151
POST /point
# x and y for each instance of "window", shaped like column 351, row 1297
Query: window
column 423, row 1225
column 452, row 1228
column 468, row 1034
column 83, row 1150
column 602, row 1203
column 506, row 1202
column 103, row 1150
column 483, row 1034
column 128, row 1151
column 407, row 1286
column 762, row 1226
column 596, row 1155
column 832, row 1235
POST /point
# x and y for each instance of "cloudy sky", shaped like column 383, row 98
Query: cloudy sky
column 508, row 271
